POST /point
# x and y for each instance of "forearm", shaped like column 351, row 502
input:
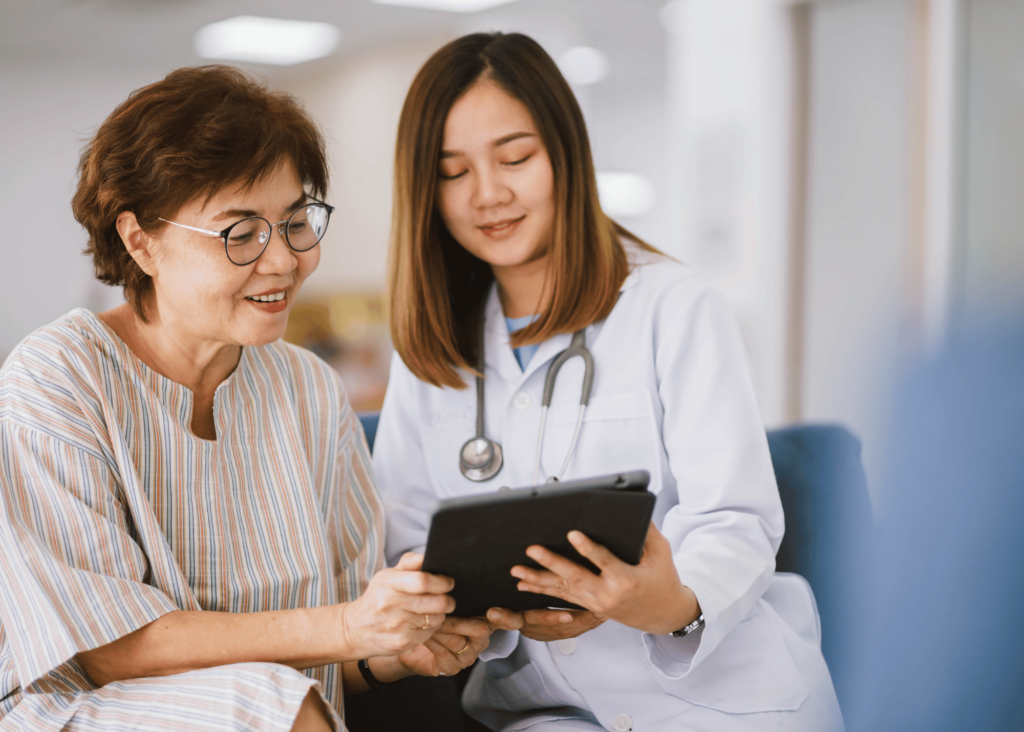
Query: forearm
column 187, row 640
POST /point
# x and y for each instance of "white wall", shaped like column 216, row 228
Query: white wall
column 858, row 214
column 731, row 101
column 991, row 249
column 49, row 110
column 358, row 101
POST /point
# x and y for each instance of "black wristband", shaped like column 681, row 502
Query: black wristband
column 372, row 681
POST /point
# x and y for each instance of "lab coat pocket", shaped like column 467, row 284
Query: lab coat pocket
column 751, row 670
column 618, row 433
column 522, row 689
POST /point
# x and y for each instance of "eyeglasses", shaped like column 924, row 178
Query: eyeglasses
column 246, row 240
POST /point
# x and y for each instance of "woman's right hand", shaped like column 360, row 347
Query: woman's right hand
column 401, row 608
column 545, row 625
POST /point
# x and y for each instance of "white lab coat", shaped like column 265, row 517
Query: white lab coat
column 671, row 395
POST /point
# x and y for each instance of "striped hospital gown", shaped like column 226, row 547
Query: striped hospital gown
column 112, row 513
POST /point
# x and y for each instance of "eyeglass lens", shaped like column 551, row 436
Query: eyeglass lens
column 248, row 238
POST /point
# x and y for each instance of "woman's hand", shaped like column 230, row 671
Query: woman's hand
column 455, row 646
column 648, row 597
column 545, row 625
column 400, row 610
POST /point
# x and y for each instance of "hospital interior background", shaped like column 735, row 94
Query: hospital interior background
column 849, row 172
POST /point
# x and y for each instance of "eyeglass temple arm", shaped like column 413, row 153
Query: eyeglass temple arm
column 218, row 234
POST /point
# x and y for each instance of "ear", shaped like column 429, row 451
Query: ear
column 140, row 245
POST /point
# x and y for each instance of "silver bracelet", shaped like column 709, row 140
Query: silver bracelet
column 689, row 628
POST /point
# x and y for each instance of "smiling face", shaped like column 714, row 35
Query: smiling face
column 206, row 298
column 496, row 187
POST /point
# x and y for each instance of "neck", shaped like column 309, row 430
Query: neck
column 521, row 288
column 167, row 347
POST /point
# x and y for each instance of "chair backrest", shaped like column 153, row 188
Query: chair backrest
column 369, row 421
column 828, row 516
column 828, row 522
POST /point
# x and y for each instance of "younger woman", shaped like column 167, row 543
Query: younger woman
column 501, row 250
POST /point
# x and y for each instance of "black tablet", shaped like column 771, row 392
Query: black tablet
column 478, row 539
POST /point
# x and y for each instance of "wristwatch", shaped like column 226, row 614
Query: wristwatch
column 699, row 622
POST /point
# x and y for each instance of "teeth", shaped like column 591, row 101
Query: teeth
column 268, row 298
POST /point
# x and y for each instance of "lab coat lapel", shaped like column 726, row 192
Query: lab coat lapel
column 497, row 351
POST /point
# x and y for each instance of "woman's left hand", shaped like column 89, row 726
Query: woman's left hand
column 454, row 646
column 648, row 597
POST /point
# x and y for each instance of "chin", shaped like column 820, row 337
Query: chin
column 262, row 336
column 508, row 254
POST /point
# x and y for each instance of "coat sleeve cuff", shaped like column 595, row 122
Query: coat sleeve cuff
column 675, row 657
column 503, row 642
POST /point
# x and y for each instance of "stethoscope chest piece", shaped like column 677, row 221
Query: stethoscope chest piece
column 480, row 459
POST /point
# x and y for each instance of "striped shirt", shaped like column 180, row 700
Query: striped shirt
column 112, row 513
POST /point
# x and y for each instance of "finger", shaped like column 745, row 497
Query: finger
column 422, row 583
column 452, row 641
column 442, row 604
column 425, row 621
column 502, row 619
column 537, row 576
column 558, row 564
column 446, row 661
column 410, row 562
column 469, row 627
column 596, row 553
column 562, row 593
column 556, row 617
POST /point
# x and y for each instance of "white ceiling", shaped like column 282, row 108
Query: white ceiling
column 159, row 32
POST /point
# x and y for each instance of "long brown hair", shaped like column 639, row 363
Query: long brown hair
column 437, row 287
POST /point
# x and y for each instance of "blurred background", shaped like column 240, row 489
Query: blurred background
column 847, row 171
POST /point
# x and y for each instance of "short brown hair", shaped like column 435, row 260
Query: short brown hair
column 437, row 287
column 189, row 135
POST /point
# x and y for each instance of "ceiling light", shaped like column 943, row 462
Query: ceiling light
column 266, row 40
column 583, row 65
column 625, row 194
column 452, row 6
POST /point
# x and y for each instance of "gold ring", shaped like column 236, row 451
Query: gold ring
column 426, row 622
column 466, row 648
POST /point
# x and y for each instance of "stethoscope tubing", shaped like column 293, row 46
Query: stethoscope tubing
column 492, row 466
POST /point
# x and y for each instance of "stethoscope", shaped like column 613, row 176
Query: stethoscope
column 480, row 458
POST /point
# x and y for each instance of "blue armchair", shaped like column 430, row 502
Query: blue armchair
column 828, row 516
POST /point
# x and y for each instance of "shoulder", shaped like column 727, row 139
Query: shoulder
column 67, row 340
column 662, row 282
column 311, row 380
column 52, row 381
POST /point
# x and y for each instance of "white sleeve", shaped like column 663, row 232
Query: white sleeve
column 401, row 469
column 728, row 523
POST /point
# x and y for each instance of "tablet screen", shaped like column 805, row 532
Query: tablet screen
column 478, row 539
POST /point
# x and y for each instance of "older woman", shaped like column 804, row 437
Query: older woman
column 188, row 518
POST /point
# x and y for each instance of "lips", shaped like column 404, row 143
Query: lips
column 273, row 301
column 501, row 228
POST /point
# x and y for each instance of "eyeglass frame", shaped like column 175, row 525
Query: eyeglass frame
column 283, row 232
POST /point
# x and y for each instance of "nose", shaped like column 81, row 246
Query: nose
column 278, row 257
column 490, row 190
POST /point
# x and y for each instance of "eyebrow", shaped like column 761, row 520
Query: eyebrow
column 497, row 143
column 245, row 213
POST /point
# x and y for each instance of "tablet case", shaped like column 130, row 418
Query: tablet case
column 477, row 540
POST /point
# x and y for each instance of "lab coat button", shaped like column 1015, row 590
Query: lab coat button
column 622, row 723
column 522, row 401
column 567, row 646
